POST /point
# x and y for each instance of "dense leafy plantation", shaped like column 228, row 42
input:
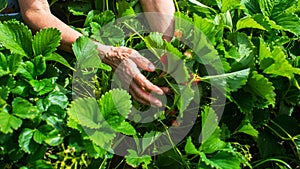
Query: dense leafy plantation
column 59, row 110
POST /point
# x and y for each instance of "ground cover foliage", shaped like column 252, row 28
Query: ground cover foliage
column 58, row 110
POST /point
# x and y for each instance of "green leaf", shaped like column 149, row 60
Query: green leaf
column 201, row 4
column 124, row 9
column 16, row 37
column 108, row 34
column 288, row 22
column 210, row 134
column 9, row 122
column 24, row 109
column 38, row 153
column 116, row 101
column 209, row 123
column 252, row 6
column 232, row 81
column 43, row 164
column 3, row 72
column 183, row 23
column 58, row 58
column 79, row 8
column 26, row 70
column 248, row 22
column 3, row 61
column 14, row 62
column 275, row 62
column 134, row 160
column 115, row 106
column 190, row 147
column 176, row 65
column 247, row 128
column 269, row 145
column 93, row 150
column 262, row 89
column 207, row 26
column 244, row 100
column 278, row 14
column 205, row 53
column 154, row 40
column 38, row 137
column 244, row 56
column 56, row 99
column 104, row 66
column 104, row 18
column 25, row 140
column 86, row 53
column 85, row 111
column 43, row 86
column 4, row 92
column 266, row 6
column 3, row 5
column 53, row 138
column 40, row 64
column 103, row 137
column 46, row 41
column 230, row 4
column 186, row 95
column 222, row 160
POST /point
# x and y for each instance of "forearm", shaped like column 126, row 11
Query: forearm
column 37, row 15
column 160, row 15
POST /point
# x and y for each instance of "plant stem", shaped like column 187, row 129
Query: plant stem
column 274, row 160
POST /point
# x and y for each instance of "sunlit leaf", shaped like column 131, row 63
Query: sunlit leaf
column 40, row 65
column 9, row 122
column 185, row 97
column 247, row 128
column 46, row 41
column 124, row 9
column 115, row 107
column 108, row 34
column 221, row 160
column 232, row 81
column 210, row 134
column 176, row 65
column 134, row 160
column 16, row 37
column 85, row 111
column 262, row 89
column 275, row 62
column 86, row 53
column 25, row 140
column 190, row 147
column 58, row 58
column 248, row 22
column 24, row 109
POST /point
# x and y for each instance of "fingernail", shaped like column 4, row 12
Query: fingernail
column 160, row 92
column 151, row 67
column 158, row 103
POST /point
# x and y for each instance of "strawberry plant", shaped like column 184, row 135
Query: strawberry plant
column 232, row 70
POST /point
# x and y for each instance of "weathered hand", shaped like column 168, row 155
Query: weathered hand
column 125, row 63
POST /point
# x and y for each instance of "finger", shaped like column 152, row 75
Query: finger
column 142, row 62
column 144, row 96
column 136, row 98
column 128, row 69
column 125, row 51
column 142, row 81
column 166, row 90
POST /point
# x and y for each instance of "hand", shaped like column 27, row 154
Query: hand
column 125, row 63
